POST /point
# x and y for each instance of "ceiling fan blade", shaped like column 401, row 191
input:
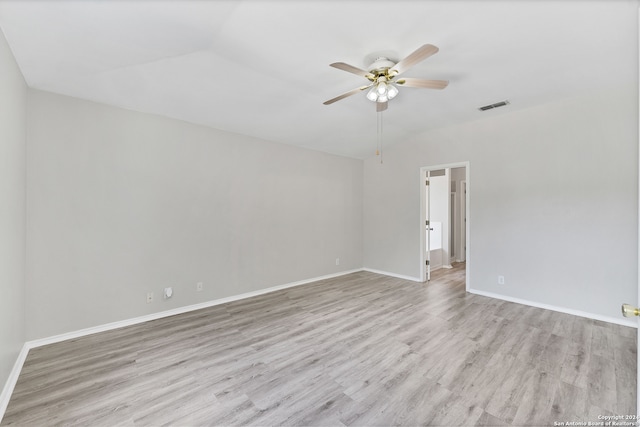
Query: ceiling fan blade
column 427, row 84
column 351, row 69
column 346, row 94
column 381, row 106
column 420, row 54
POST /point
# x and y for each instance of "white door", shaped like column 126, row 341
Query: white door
column 428, row 228
column 628, row 310
column 463, row 221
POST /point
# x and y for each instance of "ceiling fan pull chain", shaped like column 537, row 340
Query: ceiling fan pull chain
column 378, row 133
column 379, row 136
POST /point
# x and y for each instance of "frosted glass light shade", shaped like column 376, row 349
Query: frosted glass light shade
column 372, row 95
column 382, row 91
column 392, row 91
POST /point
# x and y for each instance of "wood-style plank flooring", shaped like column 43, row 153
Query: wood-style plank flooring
column 361, row 349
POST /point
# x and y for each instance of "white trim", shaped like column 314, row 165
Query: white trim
column 399, row 276
column 623, row 322
column 638, row 264
column 180, row 310
column 467, row 224
column 7, row 391
column 463, row 249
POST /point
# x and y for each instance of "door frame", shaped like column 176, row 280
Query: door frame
column 423, row 196
column 463, row 219
column 638, row 265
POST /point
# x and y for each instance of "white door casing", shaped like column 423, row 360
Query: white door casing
column 423, row 217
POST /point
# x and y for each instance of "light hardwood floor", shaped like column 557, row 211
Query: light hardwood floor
column 362, row 349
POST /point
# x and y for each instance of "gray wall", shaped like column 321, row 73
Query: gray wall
column 553, row 201
column 121, row 203
column 13, row 112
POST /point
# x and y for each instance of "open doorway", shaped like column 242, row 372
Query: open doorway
column 444, row 224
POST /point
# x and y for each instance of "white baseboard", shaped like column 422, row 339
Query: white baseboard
column 399, row 276
column 608, row 319
column 136, row 320
column 12, row 380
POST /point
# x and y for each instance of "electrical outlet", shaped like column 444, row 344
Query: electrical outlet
column 199, row 286
column 500, row 280
column 149, row 297
column 168, row 293
column 337, row 261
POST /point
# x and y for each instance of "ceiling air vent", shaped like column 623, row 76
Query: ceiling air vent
column 492, row 106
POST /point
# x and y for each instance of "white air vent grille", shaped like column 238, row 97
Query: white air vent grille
column 492, row 106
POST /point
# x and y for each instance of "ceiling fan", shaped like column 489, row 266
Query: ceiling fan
column 383, row 74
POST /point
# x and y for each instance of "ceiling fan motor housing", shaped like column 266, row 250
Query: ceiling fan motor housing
column 380, row 66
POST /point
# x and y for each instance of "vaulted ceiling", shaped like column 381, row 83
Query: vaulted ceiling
column 261, row 67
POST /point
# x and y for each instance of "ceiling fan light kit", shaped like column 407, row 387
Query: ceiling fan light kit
column 383, row 90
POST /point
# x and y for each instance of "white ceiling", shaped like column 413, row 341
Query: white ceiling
column 261, row 67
